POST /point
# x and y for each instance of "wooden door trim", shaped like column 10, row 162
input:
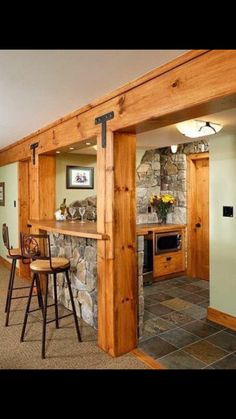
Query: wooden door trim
column 191, row 158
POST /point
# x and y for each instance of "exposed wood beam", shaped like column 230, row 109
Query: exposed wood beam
column 126, row 102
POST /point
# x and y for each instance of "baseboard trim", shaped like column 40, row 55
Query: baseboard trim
column 146, row 359
column 7, row 264
column 221, row 318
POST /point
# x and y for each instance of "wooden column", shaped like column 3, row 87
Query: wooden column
column 117, row 278
column 42, row 188
column 23, row 205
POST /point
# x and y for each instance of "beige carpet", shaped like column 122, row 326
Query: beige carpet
column 63, row 351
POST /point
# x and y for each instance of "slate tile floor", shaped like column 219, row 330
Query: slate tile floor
column 176, row 332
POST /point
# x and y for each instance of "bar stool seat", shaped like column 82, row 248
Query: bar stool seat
column 15, row 253
column 58, row 264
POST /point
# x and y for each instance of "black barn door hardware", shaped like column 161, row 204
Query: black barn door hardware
column 103, row 121
column 33, row 147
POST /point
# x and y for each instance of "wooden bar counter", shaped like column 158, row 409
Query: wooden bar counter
column 77, row 229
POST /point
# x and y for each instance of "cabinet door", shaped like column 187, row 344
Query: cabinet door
column 168, row 263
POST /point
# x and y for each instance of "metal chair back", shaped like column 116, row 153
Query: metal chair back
column 5, row 236
column 36, row 246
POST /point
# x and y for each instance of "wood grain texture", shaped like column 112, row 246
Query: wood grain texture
column 201, row 85
column 148, row 360
column 23, row 205
column 168, row 263
column 198, row 212
column 117, row 280
column 142, row 229
column 219, row 317
column 88, row 229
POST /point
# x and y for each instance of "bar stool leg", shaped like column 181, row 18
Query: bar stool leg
column 55, row 298
column 39, row 292
column 13, row 268
column 9, row 287
column 45, row 318
column 27, row 309
column 73, row 307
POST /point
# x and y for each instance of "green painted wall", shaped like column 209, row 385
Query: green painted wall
column 223, row 229
column 9, row 213
column 67, row 159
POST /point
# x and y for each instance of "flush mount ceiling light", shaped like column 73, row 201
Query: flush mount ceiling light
column 195, row 128
column 174, row 148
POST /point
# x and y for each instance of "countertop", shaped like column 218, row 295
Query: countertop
column 142, row 229
column 89, row 229
column 77, row 229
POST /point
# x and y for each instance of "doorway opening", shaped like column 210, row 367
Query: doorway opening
column 174, row 329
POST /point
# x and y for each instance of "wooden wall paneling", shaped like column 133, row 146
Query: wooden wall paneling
column 23, row 205
column 200, row 85
column 117, row 278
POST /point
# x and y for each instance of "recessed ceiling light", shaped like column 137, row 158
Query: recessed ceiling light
column 88, row 143
column 57, row 152
column 71, row 148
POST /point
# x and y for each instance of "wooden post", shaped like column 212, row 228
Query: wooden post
column 42, row 188
column 23, row 204
column 117, row 278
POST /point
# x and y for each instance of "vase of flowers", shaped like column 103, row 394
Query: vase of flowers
column 162, row 205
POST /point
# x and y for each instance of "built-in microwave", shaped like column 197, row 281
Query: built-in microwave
column 168, row 242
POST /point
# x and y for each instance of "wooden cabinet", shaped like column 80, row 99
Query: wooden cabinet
column 168, row 263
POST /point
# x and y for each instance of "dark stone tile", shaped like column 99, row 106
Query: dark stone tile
column 179, row 337
column 181, row 360
column 224, row 340
column 177, row 304
column 148, row 315
column 148, row 301
column 200, row 328
column 176, row 282
column 204, row 304
column 227, row 363
column 159, row 309
column 196, row 312
column 216, row 325
column 178, row 318
column 156, row 347
column 203, row 284
column 194, row 298
column 191, row 288
column 161, row 296
column 155, row 326
column 178, row 292
column 205, row 351
column 204, row 294
column 232, row 332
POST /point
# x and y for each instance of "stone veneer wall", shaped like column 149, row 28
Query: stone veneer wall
column 161, row 171
column 82, row 254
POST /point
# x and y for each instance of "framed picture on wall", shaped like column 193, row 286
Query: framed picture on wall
column 79, row 177
column 2, row 194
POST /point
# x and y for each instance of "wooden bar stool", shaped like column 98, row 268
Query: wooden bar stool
column 14, row 255
column 37, row 247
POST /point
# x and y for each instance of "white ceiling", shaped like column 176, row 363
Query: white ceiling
column 40, row 86
column 164, row 137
